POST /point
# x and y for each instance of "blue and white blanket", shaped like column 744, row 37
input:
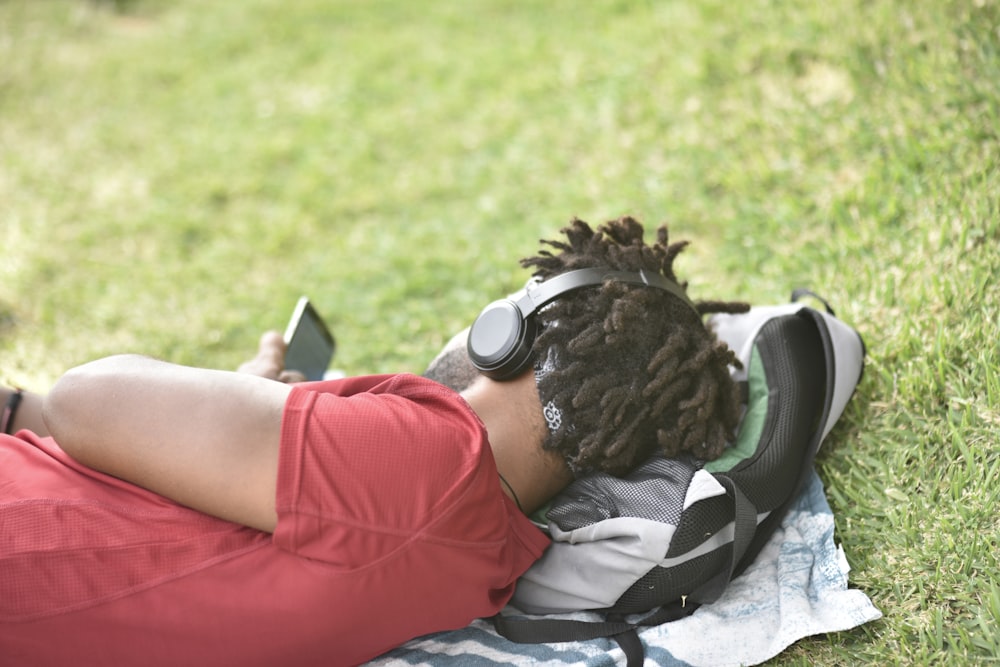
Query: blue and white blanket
column 797, row 587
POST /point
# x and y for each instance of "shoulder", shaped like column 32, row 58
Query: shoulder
column 398, row 393
column 402, row 384
column 400, row 420
column 397, row 454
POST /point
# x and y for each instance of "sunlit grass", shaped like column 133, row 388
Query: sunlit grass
column 174, row 174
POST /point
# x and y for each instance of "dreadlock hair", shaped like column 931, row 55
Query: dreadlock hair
column 632, row 369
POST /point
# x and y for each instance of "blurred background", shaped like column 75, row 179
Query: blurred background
column 173, row 175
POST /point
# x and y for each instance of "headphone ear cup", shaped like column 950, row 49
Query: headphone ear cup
column 500, row 340
column 520, row 357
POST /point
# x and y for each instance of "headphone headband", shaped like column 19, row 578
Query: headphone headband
column 533, row 297
column 500, row 339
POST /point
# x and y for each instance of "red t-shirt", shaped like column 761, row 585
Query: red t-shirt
column 391, row 524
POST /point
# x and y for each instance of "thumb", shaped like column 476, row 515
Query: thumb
column 272, row 347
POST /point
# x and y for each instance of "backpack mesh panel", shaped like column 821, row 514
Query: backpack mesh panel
column 792, row 353
column 655, row 490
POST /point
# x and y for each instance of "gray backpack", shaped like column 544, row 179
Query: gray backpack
column 672, row 534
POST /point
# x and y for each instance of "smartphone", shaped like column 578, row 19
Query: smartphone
column 310, row 345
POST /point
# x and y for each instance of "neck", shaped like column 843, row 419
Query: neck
column 513, row 418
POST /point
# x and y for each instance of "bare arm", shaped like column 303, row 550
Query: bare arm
column 206, row 439
column 269, row 363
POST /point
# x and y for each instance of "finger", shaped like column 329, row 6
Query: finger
column 291, row 376
column 272, row 347
column 270, row 358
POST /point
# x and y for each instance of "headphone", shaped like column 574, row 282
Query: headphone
column 501, row 338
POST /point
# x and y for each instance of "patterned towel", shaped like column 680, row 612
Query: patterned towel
column 797, row 587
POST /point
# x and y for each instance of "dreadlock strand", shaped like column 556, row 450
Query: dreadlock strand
column 659, row 383
column 693, row 363
column 623, row 443
column 705, row 307
column 669, row 440
column 668, row 353
column 672, row 393
column 672, row 251
column 587, row 340
column 591, row 389
column 615, row 402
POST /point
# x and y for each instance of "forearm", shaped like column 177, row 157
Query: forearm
column 269, row 363
column 29, row 412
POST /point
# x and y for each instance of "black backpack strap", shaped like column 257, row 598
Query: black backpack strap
column 547, row 630
column 744, row 529
column 800, row 292
column 635, row 654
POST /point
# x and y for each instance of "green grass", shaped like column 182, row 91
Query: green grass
column 174, row 174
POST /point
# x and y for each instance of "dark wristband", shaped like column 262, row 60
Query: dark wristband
column 9, row 410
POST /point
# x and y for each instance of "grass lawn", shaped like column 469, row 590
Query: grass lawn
column 174, row 174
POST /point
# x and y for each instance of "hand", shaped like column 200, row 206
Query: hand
column 270, row 360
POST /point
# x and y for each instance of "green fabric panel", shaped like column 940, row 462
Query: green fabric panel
column 538, row 516
column 753, row 421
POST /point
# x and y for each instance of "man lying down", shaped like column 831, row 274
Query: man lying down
column 158, row 514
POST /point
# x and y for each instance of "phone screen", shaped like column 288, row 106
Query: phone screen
column 310, row 343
